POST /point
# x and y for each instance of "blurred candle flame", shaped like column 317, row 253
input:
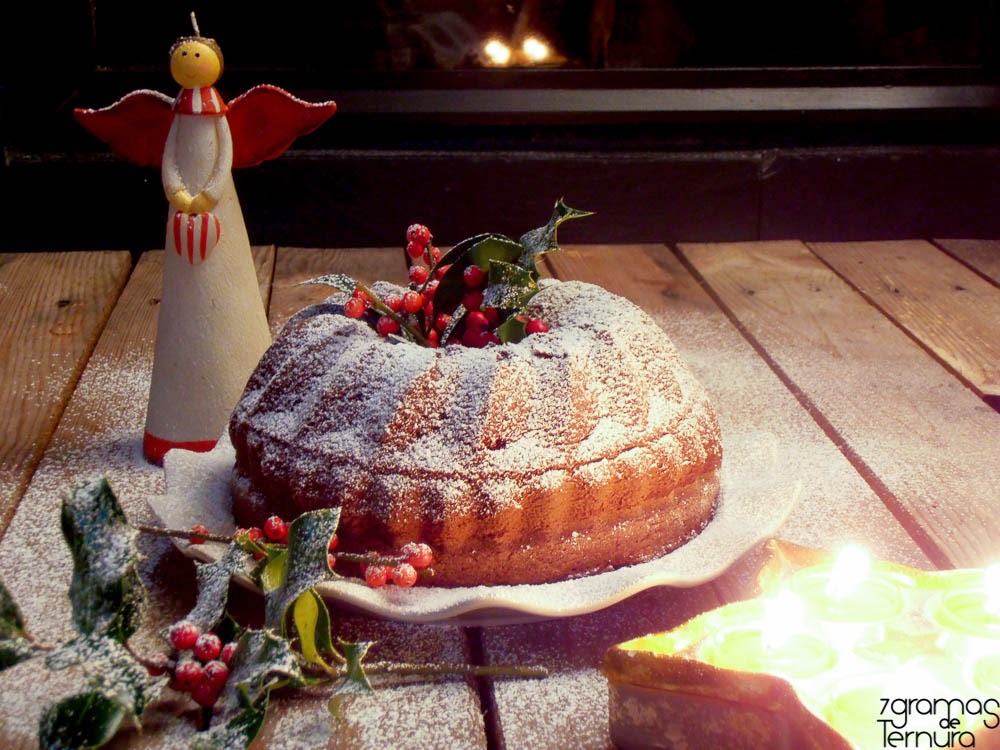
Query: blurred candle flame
column 535, row 49
column 849, row 571
column 497, row 52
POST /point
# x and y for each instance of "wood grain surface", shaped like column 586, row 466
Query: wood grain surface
column 982, row 255
column 919, row 437
column 53, row 306
column 942, row 304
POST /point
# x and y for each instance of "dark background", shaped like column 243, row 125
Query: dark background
column 692, row 121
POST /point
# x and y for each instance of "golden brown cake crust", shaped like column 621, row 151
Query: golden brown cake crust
column 569, row 453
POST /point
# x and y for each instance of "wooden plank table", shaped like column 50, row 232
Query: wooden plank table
column 871, row 369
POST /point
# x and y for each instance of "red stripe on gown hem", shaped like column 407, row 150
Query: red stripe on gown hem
column 190, row 240
column 155, row 448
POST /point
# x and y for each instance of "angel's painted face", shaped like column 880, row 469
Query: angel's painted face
column 194, row 63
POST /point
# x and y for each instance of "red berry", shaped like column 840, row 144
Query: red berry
column 536, row 326
column 216, row 673
column 331, row 561
column 361, row 294
column 429, row 311
column 418, row 274
column 227, row 653
column 386, row 326
column 413, row 302
column 276, row 530
column 441, row 271
column 433, row 339
column 492, row 315
column 355, row 307
column 187, row 676
column 207, row 647
column 473, row 276
column 442, row 321
column 418, row 554
column 252, row 534
column 472, row 300
column 205, row 693
column 414, row 249
column 376, row 575
column 197, row 534
column 432, row 255
column 431, row 287
column 418, row 233
column 333, row 543
column 476, row 319
column 404, row 575
column 475, row 338
column 394, row 302
column 183, row 635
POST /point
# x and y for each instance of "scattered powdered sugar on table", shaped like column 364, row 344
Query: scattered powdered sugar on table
column 34, row 560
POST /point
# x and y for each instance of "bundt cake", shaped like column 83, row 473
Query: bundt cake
column 563, row 454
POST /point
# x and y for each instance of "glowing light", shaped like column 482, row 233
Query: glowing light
column 991, row 582
column 849, row 571
column 784, row 615
column 497, row 52
column 535, row 49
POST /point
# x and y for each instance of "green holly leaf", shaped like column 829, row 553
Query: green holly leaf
column 110, row 669
column 510, row 286
column 106, row 592
column 237, row 732
column 312, row 622
column 213, row 586
column 340, row 281
column 272, row 573
column 11, row 621
column 308, row 539
column 354, row 654
column 15, row 650
column 85, row 720
column 480, row 250
column 262, row 661
column 512, row 330
column 543, row 239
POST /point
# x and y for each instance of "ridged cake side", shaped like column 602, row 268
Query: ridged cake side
column 570, row 452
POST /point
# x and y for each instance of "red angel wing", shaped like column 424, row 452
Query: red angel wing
column 266, row 120
column 135, row 126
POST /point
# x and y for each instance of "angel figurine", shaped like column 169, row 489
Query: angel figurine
column 212, row 327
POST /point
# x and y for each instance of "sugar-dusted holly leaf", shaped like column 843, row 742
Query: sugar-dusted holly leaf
column 106, row 592
column 262, row 661
column 85, row 720
column 512, row 330
column 340, row 281
column 510, row 286
column 237, row 731
column 354, row 654
column 213, row 586
column 543, row 239
column 15, row 650
column 11, row 621
column 308, row 539
column 486, row 248
column 111, row 669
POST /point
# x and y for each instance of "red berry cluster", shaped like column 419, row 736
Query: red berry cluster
column 401, row 568
column 201, row 665
column 403, row 571
column 415, row 308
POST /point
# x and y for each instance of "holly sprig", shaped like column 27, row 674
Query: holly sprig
column 295, row 648
column 509, row 268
